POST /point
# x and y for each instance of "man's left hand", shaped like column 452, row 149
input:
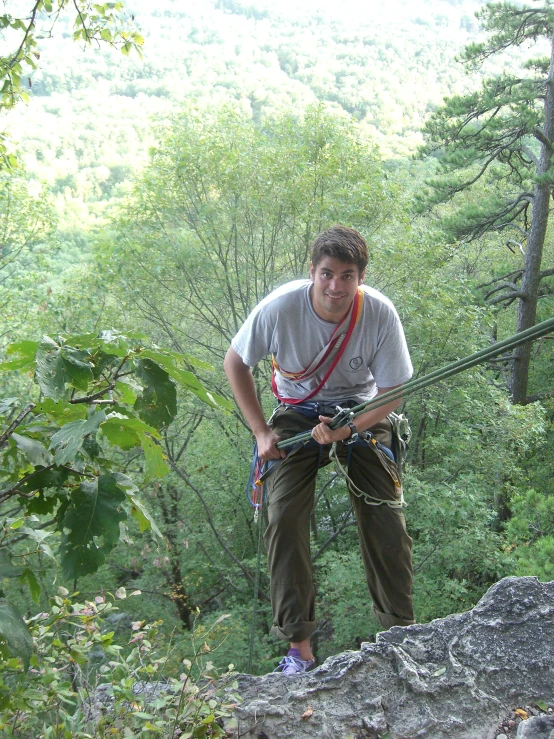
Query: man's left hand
column 324, row 435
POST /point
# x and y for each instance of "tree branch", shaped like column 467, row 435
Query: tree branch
column 348, row 521
column 12, row 427
column 211, row 524
column 16, row 56
column 516, row 273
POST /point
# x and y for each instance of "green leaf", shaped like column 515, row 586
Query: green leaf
column 125, row 432
column 119, row 434
column 95, row 512
column 24, row 349
column 91, row 448
column 141, row 515
column 162, row 357
column 35, row 452
column 16, row 364
column 78, row 367
column 50, row 372
column 6, row 404
column 15, row 632
column 68, row 440
column 158, row 404
column 43, row 480
column 113, row 342
column 61, row 410
column 155, row 466
column 80, row 340
column 39, row 535
column 192, row 383
column 33, row 583
column 125, row 392
column 185, row 378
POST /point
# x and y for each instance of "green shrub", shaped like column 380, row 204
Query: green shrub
column 81, row 684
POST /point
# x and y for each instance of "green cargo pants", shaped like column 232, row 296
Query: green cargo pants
column 385, row 545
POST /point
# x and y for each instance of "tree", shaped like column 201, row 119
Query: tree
column 228, row 209
column 100, row 23
column 26, row 224
column 501, row 138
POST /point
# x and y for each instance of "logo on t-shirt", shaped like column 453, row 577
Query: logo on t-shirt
column 356, row 363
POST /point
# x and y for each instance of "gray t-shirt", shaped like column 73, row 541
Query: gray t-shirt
column 285, row 324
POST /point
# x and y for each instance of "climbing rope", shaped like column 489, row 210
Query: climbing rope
column 355, row 490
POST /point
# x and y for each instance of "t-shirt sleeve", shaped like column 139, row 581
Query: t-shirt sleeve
column 254, row 339
column 391, row 364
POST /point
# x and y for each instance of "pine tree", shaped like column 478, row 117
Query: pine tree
column 502, row 136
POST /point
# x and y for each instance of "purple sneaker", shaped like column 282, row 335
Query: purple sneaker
column 292, row 664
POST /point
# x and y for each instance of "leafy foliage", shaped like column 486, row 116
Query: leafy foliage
column 98, row 394
column 81, row 679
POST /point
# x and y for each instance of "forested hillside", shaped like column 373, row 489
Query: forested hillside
column 155, row 201
column 88, row 124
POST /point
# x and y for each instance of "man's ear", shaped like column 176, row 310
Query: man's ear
column 361, row 278
column 312, row 272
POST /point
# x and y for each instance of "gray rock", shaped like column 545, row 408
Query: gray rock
column 537, row 727
column 453, row 678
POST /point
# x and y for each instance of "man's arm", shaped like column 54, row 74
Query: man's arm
column 324, row 435
column 241, row 380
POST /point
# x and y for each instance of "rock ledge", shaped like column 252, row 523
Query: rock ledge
column 453, row 678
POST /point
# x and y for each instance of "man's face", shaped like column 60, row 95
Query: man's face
column 334, row 288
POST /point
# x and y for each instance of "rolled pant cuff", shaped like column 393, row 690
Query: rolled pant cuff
column 386, row 620
column 294, row 632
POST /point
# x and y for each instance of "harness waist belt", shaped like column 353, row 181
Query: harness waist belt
column 314, row 409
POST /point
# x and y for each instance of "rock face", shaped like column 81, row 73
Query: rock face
column 453, row 678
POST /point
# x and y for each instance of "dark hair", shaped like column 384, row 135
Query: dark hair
column 342, row 243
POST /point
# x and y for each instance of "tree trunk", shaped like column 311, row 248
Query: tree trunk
column 527, row 311
column 178, row 594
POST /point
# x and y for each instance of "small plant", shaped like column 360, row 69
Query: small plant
column 81, row 684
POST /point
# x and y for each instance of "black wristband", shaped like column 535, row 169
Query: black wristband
column 353, row 434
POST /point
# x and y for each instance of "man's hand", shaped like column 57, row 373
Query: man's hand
column 324, row 435
column 242, row 384
column 267, row 449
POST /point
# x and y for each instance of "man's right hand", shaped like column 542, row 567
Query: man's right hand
column 242, row 384
column 267, row 445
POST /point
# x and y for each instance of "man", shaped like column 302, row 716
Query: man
column 335, row 342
